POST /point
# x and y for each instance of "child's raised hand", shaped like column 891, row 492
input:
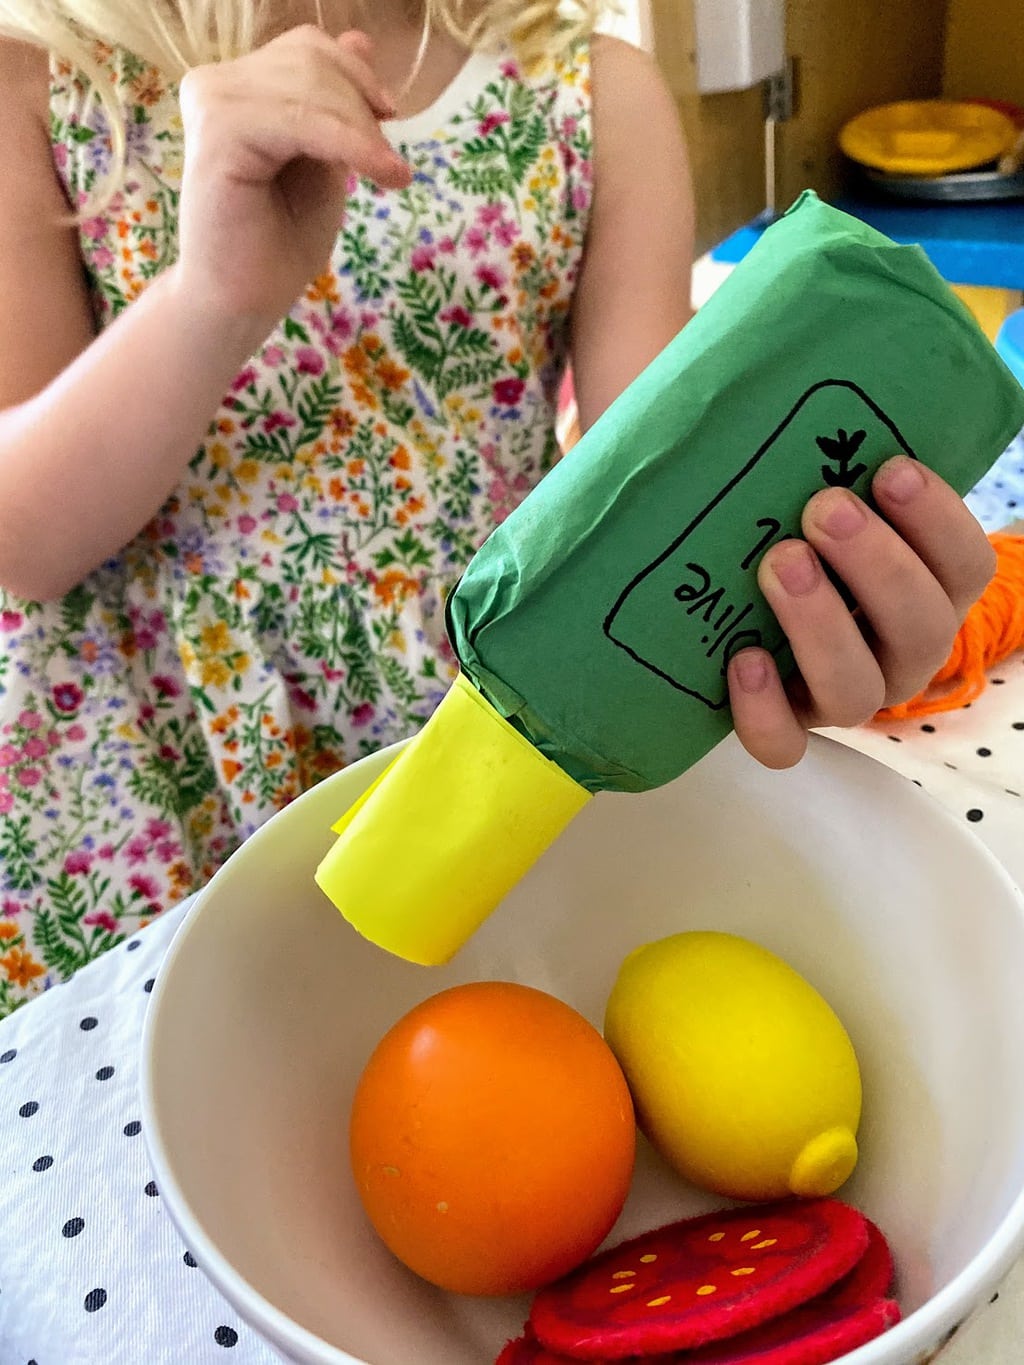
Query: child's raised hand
column 914, row 575
column 270, row 141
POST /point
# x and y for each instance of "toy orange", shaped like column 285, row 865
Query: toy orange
column 492, row 1139
column 927, row 137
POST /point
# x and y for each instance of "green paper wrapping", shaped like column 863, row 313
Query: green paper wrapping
column 600, row 617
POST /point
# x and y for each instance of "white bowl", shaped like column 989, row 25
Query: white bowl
column 269, row 1004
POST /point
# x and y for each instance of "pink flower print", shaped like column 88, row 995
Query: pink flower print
column 510, row 71
column 68, row 697
column 94, row 228
column 36, row 747
column 243, row 380
column 10, row 908
column 6, row 802
column 137, row 850
column 273, row 356
column 303, row 699
column 103, row 258
column 103, row 919
column 76, row 733
column 157, row 829
column 492, row 121
column 169, row 753
column 423, row 258
column 341, row 324
column 446, row 246
column 78, row 862
column 166, row 686
column 9, row 755
column 368, row 320
column 287, row 502
column 508, row 391
column 145, row 886
column 247, row 524
column 490, row 276
column 457, row 316
column 580, row 197
column 363, row 714
column 570, row 125
column 490, row 214
column 476, row 240
column 30, row 720
column 506, row 233
column 30, row 777
column 10, row 620
column 60, row 155
column 309, row 361
column 147, row 711
column 276, row 421
column 168, row 850
column 106, row 852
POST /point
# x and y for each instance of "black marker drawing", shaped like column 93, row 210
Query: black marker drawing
column 687, row 612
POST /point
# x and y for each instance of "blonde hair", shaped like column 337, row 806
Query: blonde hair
column 176, row 35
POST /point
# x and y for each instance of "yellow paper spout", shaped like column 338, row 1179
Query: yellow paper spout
column 446, row 831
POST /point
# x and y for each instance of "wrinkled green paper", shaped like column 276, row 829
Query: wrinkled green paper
column 599, row 618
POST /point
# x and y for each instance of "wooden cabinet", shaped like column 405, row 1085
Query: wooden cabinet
column 850, row 54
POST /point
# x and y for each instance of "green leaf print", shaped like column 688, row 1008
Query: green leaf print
column 175, row 787
column 8, row 1001
column 364, row 263
column 315, row 407
column 295, row 331
column 18, row 855
column 58, row 955
column 75, row 608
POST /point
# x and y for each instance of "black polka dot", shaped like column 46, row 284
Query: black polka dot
column 42, row 1163
column 896, row 739
column 974, row 815
column 916, row 781
column 27, row 1110
column 9, row 1055
column 133, row 1129
column 72, row 1227
column 994, row 1298
column 95, row 1299
column 89, row 1022
column 225, row 1336
column 189, row 1260
column 928, row 729
column 950, row 766
column 133, row 945
column 104, row 1073
column 149, row 984
column 997, row 682
column 152, row 1190
column 984, row 753
column 1018, row 724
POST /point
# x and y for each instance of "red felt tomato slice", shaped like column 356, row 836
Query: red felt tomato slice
column 700, row 1280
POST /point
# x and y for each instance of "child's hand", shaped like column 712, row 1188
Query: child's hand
column 913, row 579
column 270, row 140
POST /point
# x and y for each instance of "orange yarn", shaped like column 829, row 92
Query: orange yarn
column 993, row 630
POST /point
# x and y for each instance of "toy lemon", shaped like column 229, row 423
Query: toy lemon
column 742, row 1075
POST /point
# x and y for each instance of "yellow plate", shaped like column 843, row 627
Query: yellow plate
column 927, row 137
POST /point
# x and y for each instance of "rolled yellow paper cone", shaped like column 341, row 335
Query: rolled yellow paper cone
column 446, row 831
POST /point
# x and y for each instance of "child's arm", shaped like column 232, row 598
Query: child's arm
column 914, row 574
column 94, row 433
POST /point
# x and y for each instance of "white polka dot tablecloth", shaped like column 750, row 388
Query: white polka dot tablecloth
column 92, row 1271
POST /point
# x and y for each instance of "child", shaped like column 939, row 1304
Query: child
column 312, row 358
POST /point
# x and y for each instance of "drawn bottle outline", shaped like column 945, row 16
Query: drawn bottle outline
column 721, row 600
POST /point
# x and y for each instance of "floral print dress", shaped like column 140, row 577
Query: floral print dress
column 282, row 615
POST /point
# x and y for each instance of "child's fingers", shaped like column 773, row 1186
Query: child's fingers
column 845, row 684
column 911, row 618
column 766, row 723
column 934, row 520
